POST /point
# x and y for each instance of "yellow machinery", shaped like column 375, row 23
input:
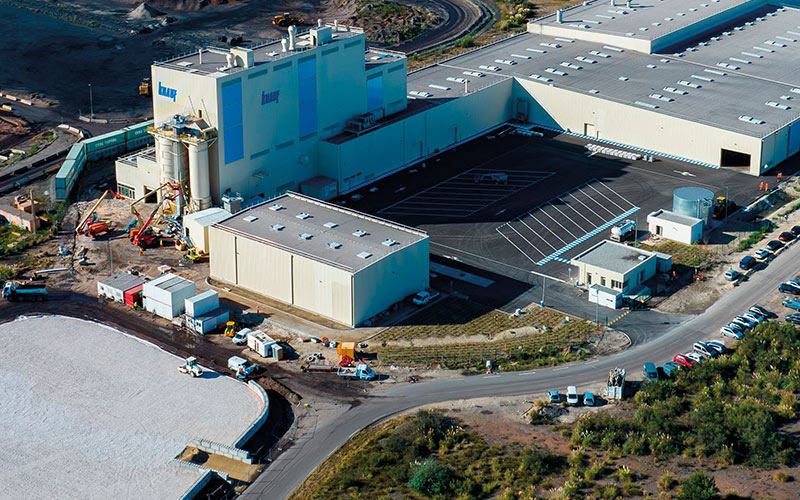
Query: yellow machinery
column 146, row 87
column 286, row 19
column 230, row 328
column 194, row 255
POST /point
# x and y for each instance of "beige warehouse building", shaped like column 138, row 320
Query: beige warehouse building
column 324, row 259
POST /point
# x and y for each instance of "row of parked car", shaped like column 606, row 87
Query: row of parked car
column 573, row 398
column 762, row 255
column 740, row 325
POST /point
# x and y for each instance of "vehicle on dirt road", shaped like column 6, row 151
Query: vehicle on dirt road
column 683, row 360
column 792, row 304
column 14, row 291
column 786, row 236
column 732, row 274
column 793, row 318
column 774, row 245
column 789, row 288
column 424, row 297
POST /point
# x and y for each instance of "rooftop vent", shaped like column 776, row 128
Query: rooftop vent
column 763, row 49
column 302, row 215
column 364, row 255
column 652, row 66
column 689, row 84
column 277, row 227
column 623, row 78
column 539, row 51
column 662, row 97
column 304, row 236
column 615, row 49
column 599, row 54
column 457, row 80
column 585, row 59
column 474, row 73
column 250, row 218
column 330, row 225
column 556, row 71
column 541, row 78
column 571, row 66
column 775, row 44
column 675, row 91
column 521, row 56
column 750, row 119
column 417, row 93
column 757, row 56
column 388, row 242
column 715, row 72
column 795, row 90
column 359, row 233
column 704, row 78
column 551, row 45
column 646, row 104
column 509, row 62
column 727, row 66
column 777, row 105
column 438, row 87
column 334, row 245
column 490, row 68
column 594, row 91
column 779, row 37
column 276, row 207
column 566, row 40
column 736, row 59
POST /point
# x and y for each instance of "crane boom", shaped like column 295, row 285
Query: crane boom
column 138, row 237
column 79, row 228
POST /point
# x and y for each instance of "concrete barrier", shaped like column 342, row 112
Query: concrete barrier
column 10, row 97
column 262, row 395
column 26, row 102
column 221, row 449
column 6, row 107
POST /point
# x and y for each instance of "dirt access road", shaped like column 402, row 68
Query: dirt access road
column 461, row 16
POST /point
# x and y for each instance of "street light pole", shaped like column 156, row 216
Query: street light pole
column 727, row 202
column 91, row 106
column 544, row 286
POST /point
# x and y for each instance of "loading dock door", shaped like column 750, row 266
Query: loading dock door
column 730, row 158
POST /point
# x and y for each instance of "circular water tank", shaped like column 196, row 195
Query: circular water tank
column 693, row 202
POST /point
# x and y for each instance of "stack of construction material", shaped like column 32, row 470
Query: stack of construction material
column 165, row 295
column 203, row 313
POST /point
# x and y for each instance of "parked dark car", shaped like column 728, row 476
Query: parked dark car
column 774, row 245
column 789, row 288
column 747, row 263
column 796, row 230
column 793, row 318
column 786, row 236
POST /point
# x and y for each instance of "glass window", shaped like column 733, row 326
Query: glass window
column 602, row 281
column 232, row 131
column 126, row 191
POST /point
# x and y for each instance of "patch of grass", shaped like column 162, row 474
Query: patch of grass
column 756, row 236
column 782, row 477
column 428, row 455
column 694, row 256
column 556, row 340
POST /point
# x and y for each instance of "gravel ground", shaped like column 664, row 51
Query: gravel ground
column 89, row 412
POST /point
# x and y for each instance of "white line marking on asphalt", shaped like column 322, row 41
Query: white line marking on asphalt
column 560, row 369
column 524, row 374
column 490, row 376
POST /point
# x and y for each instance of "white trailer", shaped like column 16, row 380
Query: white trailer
column 264, row 345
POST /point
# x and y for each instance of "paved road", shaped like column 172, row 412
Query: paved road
column 293, row 466
column 461, row 14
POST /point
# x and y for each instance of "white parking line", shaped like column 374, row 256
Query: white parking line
column 562, row 227
column 606, row 197
column 587, row 208
column 535, row 233
column 526, row 240
column 597, row 203
column 580, row 214
column 551, row 231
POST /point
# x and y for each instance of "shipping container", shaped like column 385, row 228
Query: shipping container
column 170, row 290
column 210, row 321
column 105, row 141
column 114, row 287
column 158, row 308
column 133, row 297
column 201, row 303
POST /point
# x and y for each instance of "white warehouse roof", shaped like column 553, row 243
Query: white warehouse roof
column 322, row 231
column 669, row 216
column 207, row 217
column 614, row 257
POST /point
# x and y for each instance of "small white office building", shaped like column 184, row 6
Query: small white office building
column 672, row 226
column 165, row 296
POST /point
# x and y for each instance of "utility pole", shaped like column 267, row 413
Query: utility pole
column 727, row 202
column 544, row 286
column 597, row 311
column 91, row 105
column 33, row 211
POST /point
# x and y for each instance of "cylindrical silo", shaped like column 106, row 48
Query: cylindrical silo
column 694, row 202
column 199, row 183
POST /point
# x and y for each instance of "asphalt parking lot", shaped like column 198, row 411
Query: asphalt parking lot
column 523, row 206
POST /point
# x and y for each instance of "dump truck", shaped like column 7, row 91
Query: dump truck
column 13, row 291
column 360, row 371
column 623, row 230
column 615, row 388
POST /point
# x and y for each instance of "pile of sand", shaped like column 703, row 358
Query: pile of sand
column 144, row 12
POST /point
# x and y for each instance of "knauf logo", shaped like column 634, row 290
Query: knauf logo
column 167, row 92
column 268, row 97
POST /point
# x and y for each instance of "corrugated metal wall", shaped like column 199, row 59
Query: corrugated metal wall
column 322, row 289
column 264, row 269
column 389, row 280
column 222, row 255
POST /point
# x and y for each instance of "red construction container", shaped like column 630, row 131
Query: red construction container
column 133, row 297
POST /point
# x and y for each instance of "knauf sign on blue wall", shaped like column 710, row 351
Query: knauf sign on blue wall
column 167, row 92
column 268, row 97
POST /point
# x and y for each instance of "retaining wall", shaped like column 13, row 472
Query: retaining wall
column 262, row 395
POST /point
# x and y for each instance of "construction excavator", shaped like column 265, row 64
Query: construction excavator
column 89, row 225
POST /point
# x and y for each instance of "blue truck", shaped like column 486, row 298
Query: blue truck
column 13, row 291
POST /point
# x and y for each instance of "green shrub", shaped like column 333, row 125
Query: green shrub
column 466, row 42
column 430, row 478
column 698, row 486
column 667, row 482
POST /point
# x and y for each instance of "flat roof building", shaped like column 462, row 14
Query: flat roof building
column 322, row 258
column 618, row 267
column 669, row 225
